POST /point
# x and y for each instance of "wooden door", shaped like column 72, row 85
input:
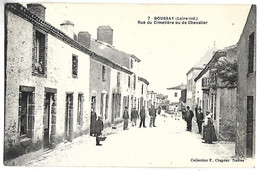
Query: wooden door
column 69, row 117
column 250, row 125
column 46, row 121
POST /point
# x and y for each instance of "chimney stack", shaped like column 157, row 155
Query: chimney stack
column 84, row 38
column 68, row 28
column 105, row 34
column 37, row 9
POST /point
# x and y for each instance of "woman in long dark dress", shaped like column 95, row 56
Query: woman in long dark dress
column 209, row 134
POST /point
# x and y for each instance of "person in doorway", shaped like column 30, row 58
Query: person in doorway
column 134, row 116
column 93, row 118
column 189, row 116
column 98, row 129
column 152, row 113
column 142, row 116
column 199, row 118
column 196, row 110
column 125, row 117
column 209, row 130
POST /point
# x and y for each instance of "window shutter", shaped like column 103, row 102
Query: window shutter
column 81, row 110
column 31, row 111
column 102, row 103
column 34, row 50
column 106, row 114
column 19, row 112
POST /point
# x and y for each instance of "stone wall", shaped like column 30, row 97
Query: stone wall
column 227, row 114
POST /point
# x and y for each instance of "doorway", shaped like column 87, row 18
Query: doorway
column 249, row 127
column 69, row 117
column 49, row 118
column 92, row 115
column 46, row 120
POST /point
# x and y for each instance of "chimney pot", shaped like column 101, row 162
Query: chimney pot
column 68, row 28
column 37, row 9
column 105, row 34
column 84, row 38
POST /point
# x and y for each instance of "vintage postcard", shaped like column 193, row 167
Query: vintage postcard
column 130, row 85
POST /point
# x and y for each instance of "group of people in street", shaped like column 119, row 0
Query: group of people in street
column 96, row 123
column 142, row 115
column 207, row 129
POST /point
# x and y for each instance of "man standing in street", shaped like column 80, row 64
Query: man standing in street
column 189, row 116
column 152, row 113
column 125, row 117
column 134, row 116
column 142, row 116
column 200, row 117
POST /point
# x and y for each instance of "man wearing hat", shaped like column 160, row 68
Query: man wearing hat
column 142, row 116
column 134, row 116
column 199, row 117
column 189, row 116
column 98, row 129
column 125, row 117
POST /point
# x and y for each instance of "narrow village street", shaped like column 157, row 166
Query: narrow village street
column 167, row 145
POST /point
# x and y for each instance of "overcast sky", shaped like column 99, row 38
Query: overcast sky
column 167, row 52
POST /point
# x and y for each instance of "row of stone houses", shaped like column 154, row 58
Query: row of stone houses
column 224, row 83
column 53, row 77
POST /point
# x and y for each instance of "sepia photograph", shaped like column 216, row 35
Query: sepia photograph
column 136, row 85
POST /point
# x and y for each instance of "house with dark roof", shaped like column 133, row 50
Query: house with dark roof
column 121, row 87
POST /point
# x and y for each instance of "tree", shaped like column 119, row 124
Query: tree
column 225, row 70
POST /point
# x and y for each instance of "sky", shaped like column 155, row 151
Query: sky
column 167, row 52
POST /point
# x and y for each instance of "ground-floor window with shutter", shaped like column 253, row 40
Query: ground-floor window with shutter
column 26, row 111
column 80, row 108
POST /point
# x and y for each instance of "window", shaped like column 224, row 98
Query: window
column 74, row 66
column 39, row 63
column 80, row 108
column 118, row 79
column 251, row 53
column 175, row 94
column 103, row 73
column 142, row 89
column 129, row 81
column 132, row 63
column 26, row 111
